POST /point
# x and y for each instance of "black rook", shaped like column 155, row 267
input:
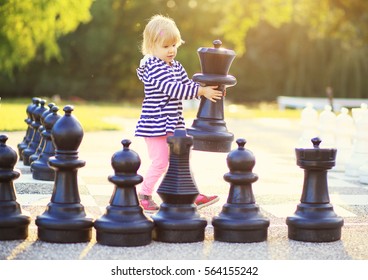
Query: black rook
column 314, row 219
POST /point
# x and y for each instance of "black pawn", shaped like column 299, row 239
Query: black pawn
column 36, row 138
column 65, row 220
column 27, row 121
column 177, row 221
column 41, row 170
column 41, row 129
column 29, row 132
column 124, row 223
column 13, row 224
column 240, row 220
column 314, row 219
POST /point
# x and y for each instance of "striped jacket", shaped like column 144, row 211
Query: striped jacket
column 164, row 87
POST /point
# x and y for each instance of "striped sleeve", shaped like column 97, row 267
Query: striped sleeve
column 183, row 74
column 175, row 83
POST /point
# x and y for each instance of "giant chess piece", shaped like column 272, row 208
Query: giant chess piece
column 28, row 120
column 308, row 124
column 41, row 170
column 314, row 219
column 326, row 127
column 177, row 221
column 359, row 154
column 240, row 220
column 344, row 132
column 41, row 129
column 29, row 132
column 124, row 223
column 65, row 220
column 209, row 128
column 13, row 224
column 362, row 140
column 36, row 138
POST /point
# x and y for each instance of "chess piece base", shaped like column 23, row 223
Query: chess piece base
column 178, row 236
column 133, row 239
column 13, row 224
column 64, row 224
column 240, row 224
column 14, row 233
column 14, row 227
column 236, row 236
column 124, row 226
column 42, row 172
column 64, row 236
column 314, row 223
column 314, row 235
column 188, row 227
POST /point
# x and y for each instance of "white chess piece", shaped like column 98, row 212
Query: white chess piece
column 359, row 155
column 308, row 123
column 356, row 112
column 344, row 131
column 326, row 127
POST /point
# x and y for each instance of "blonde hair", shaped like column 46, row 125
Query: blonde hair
column 160, row 30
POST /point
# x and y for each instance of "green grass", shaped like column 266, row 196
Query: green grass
column 95, row 116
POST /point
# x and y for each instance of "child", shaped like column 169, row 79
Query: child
column 166, row 83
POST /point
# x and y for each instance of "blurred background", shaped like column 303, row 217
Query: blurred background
column 89, row 49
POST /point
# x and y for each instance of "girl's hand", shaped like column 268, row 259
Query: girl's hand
column 210, row 93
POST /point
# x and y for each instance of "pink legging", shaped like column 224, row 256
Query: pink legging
column 158, row 152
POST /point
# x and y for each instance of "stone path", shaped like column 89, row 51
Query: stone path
column 277, row 192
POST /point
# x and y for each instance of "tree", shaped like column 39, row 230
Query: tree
column 27, row 27
column 345, row 20
column 284, row 47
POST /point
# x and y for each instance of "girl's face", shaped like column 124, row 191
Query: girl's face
column 166, row 51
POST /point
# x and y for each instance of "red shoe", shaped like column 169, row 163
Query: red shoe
column 204, row 200
column 147, row 203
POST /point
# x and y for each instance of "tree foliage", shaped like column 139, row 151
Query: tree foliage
column 284, row 47
column 27, row 26
column 345, row 20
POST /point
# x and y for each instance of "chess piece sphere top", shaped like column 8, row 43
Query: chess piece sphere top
column 46, row 112
column 217, row 44
column 344, row 110
column 316, row 141
column 35, row 103
column 8, row 157
column 50, row 119
column 68, row 109
column 125, row 161
column 67, row 133
column 30, row 107
column 344, row 123
column 241, row 159
column 37, row 113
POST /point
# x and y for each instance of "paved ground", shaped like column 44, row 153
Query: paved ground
column 277, row 192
